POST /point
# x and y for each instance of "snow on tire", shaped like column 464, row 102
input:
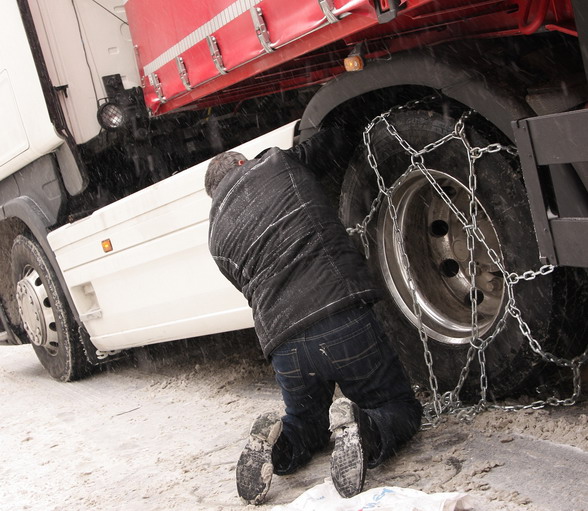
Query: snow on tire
column 44, row 313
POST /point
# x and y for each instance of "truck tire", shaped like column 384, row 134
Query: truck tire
column 45, row 316
column 436, row 246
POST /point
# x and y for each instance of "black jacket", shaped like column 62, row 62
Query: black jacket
column 275, row 237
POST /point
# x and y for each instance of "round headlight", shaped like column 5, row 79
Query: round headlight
column 111, row 116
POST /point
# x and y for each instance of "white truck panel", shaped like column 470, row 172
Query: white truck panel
column 26, row 131
column 82, row 41
column 159, row 282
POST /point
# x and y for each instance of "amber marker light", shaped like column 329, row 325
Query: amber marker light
column 107, row 246
column 353, row 63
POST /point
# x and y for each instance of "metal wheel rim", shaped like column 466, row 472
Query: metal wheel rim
column 436, row 246
column 36, row 313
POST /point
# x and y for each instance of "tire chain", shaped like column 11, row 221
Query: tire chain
column 449, row 402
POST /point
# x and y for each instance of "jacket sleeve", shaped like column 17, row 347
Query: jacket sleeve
column 326, row 148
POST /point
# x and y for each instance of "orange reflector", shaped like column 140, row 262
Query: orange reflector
column 107, row 246
column 353, row 63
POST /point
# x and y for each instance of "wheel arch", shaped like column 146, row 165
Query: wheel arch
column 451, row 70
column 33, row 199
column 22, row 216
column 36, row 222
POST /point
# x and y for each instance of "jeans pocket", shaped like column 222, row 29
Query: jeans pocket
column 287, row 369
column 356, row 356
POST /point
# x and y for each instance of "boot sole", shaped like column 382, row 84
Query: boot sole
column 348, row 461
column 254, row 468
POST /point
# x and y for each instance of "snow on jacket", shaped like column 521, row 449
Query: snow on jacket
column 274, row 235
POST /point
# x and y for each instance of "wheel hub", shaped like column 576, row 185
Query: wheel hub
column 436, row 245
column 35, row 311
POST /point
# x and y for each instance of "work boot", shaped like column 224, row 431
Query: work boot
column 255, row 468
column 349, row 460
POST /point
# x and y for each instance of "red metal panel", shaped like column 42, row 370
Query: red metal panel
column 165, row 29
column 199, row 64
column 238, row 41
column 189, row 14
column 288, row 20
column 224, row 84
column 158, row 25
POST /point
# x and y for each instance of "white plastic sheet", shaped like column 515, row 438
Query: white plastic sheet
column 324, row 497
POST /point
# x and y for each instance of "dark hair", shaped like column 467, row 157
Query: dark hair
column 219, row 167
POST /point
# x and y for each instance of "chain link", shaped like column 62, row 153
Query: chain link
column 450, row 402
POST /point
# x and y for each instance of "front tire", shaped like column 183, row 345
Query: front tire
column 436, row 248
column 44, row 313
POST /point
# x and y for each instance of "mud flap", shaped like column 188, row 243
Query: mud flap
column 91, row 351
column 7, row 336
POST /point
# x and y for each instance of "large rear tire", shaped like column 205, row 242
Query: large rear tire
column 45, row 316
column 436, row 246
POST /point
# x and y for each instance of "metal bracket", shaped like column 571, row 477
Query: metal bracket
column 261, row 29
column 61, row 88
column 545, row 141
column 103, row 355
column 183, row 73
column 387, row 10
column 215, row 53
column 328, row 7
column 95, row 313
column 153, row 78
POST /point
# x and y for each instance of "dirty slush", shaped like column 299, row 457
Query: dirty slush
column 165, row 430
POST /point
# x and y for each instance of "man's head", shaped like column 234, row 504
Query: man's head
column 219, row 167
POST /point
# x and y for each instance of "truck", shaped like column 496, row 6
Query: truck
column 467, row 192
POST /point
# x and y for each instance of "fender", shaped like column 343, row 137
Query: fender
column 455, row 70
column 38, row 223
column 35, row 196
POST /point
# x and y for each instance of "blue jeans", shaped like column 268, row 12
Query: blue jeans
column 351, row 349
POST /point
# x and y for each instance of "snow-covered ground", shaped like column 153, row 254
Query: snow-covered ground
column 163, row 431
